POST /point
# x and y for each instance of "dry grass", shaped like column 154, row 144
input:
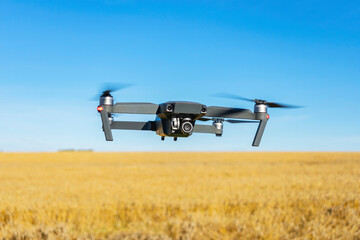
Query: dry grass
column 180, row 196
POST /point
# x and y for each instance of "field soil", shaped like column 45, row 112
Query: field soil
column 86, row 195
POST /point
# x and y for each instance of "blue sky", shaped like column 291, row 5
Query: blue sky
column 54, row 56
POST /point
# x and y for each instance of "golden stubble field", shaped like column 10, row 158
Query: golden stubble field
column 179, row 196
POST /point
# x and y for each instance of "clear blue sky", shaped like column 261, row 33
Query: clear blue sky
column 54, row 55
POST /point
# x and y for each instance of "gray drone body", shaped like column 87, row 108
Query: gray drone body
column 180, row 119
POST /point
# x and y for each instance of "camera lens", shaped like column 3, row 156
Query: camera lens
column 187, row 127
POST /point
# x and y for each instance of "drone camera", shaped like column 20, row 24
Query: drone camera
column 186, row 126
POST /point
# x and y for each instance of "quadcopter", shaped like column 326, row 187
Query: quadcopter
column 180, row 119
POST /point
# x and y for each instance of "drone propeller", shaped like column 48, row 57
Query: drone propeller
column 227, row 120
column 113, row 87
column 258, row 101
column 107, row 88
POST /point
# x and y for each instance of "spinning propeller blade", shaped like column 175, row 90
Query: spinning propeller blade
column 269, row 104
column 113, row 87
column 107, row 88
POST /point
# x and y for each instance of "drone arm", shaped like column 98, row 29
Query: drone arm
column 135, row 108
column 259, row 132
column 106, row 125
column 225, row 112
column 207, row 129
column 126, row 125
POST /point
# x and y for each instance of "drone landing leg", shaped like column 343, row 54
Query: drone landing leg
column 259, row 133
column 162, row 138
column 106, row 125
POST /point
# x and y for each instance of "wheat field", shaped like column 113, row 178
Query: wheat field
column 85, row 195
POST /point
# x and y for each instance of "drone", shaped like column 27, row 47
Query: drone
column 180, row 119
